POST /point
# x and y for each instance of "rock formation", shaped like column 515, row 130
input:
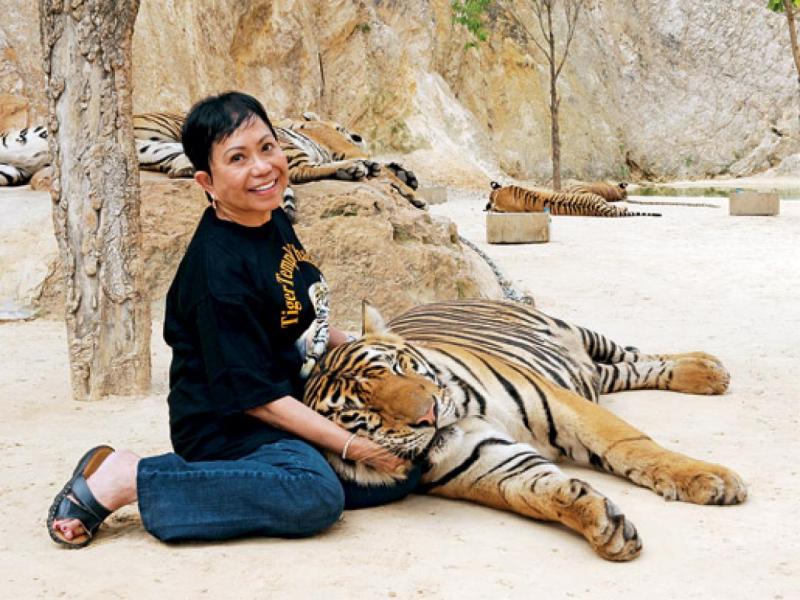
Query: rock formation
column 369, row 242
column 652, row 88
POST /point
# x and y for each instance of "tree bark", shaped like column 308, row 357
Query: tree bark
column 555, row 134
column 789, row 6
column 86, row 46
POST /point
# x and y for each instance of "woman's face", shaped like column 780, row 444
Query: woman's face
column 248, row 174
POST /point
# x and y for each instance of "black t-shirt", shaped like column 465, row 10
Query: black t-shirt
column 237, row 304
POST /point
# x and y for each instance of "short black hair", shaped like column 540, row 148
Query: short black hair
column 213, row 119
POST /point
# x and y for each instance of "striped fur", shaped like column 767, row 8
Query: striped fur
column 610, row 192
column 514, row 391
column 22, row 153
column 512, row 198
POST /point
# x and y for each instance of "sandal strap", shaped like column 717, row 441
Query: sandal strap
column 84, row 507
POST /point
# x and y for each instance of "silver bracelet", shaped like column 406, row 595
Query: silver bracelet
column 347, row 445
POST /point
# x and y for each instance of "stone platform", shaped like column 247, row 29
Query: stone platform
column 517, row 228
column 751, row 203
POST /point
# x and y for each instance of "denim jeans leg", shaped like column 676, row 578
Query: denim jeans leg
column 366, row 496
column 285, row 488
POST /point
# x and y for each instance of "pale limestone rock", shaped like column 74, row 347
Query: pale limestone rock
column 27, row 251
column 751, row 203
column 369, row 242
column 517, row 228
column 656, row 88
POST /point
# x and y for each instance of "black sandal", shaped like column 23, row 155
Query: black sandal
column 83, row 505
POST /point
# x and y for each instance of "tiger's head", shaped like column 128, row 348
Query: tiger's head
column 381, row 387
column 342, row 143
column 490, row 204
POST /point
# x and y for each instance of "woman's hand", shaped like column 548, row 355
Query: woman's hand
column 368, row 452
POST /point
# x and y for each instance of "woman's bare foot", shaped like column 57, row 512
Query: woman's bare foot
column 114, row 486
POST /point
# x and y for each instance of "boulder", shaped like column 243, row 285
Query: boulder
column 368, row 241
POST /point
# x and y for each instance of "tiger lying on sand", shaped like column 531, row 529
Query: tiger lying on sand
column 315, row 149
column 487, row 396
column 512, row 198
column 610, row 192
column 616, row 192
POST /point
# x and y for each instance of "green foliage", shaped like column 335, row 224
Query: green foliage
column 470, row 14
column 777, row 5
column 363, row 27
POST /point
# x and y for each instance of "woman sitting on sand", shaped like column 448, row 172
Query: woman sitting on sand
column 240, row 318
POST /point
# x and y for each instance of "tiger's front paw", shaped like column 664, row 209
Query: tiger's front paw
column 608, row 531
column 355, row 170
column 699, row 376
column 618, row 539
column 701, row 483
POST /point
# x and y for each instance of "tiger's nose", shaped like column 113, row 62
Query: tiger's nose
column 429, row 418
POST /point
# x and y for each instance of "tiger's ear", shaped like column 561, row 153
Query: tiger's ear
column 310, row 116
column 623, row 185
column 371, row 320
column 495, row 185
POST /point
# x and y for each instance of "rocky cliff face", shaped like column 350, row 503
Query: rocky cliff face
column 658, row 88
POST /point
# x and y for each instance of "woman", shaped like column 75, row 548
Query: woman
column 239, row 316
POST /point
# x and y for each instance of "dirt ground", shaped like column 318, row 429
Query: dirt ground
column 693, row 279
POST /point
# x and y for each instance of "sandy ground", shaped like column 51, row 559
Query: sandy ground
column 694, row 279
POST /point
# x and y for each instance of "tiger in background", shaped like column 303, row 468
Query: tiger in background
column 488, row 395
column 22, row 153
column 616, row 192
column 512, row 198
column 315, row 149
column 610, row 192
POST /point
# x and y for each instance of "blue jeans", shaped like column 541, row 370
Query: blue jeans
column 285, row 488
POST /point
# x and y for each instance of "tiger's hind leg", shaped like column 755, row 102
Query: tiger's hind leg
column 626, row 368
column 591, row 435
column 403, row 174
column 477, row 463
column 690, row 373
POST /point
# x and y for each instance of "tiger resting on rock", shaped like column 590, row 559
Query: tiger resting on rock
column 315, row 149
column 512, row 198
column 487, row 396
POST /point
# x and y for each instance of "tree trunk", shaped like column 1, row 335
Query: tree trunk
column 555, row 136
column 86, row 45
column 789, row 6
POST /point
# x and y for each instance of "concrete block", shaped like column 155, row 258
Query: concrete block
column 517, row 228
column 433, row 194
column 746, row 202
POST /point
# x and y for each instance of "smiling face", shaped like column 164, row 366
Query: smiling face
column 248, row 174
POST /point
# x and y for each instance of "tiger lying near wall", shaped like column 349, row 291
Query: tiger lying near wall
column 612, row 192
column 315, row 149
column 488, row 395
column 512, row 198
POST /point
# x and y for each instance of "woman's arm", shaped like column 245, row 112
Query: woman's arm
column 291, row 415
column 336, row 337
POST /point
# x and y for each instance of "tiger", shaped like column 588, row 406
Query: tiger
column 22, row 153
column 512, row 198
column 315, row 149
column 487, row 395
column 617, row 192
column 608, row 191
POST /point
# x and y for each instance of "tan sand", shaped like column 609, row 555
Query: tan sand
column 694, row 279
